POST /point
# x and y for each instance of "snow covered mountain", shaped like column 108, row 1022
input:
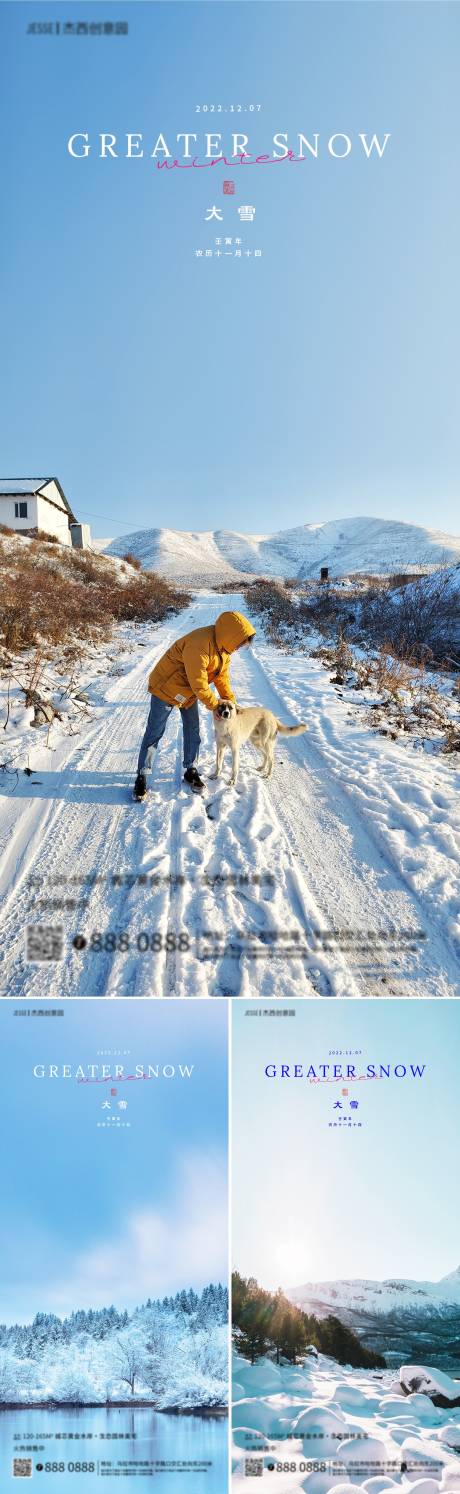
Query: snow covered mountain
column 380, row 1297
column 345, row 545
column 399, row 1319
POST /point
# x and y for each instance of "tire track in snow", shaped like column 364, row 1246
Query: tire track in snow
column 240, row 838
column 331, row 869
column 171, row 975
column 348, row 868
column 80, row 833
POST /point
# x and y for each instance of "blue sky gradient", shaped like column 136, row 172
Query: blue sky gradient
column 89, row 1216
column 312, row 1203
column 318, row 381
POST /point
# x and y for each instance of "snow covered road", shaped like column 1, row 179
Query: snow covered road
column 338, row 878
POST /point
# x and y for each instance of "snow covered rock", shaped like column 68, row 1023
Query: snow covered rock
column 357, row 1400
column 378, row 1484
column 351, row 1397
column 450, row 1435
column 417, row 1454
column 297, row 1384
column 319, row 1419
column 238, row 1391
column 426, row 1486
column 321, row 1483
column 320, row 1429
column 423, row 1408
column 440, row 1388
column 392, row 1406
column 260, row 1379
column 248, row 1437
column 345, row 1487
column 272, row 1416
column 329, row 1487
column 400, row 1431
column 291, row 1374
column 363, row 1455
column 450, row 1478
column 255, row 1414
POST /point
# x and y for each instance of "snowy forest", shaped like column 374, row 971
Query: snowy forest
column 170, row 1353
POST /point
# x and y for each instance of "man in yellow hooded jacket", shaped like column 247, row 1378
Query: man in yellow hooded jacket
column 183, row 676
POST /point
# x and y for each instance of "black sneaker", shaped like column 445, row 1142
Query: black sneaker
column 140, row 787
column 192, row 777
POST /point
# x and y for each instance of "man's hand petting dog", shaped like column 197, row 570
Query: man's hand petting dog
column 235, row 724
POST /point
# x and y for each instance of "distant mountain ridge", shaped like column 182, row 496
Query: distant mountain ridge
column 345, row 545
column 401, row 1319
column 380, row 1297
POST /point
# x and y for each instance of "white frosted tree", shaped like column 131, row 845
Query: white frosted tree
column 128, row 1358
column 171, row 1352
column 8, row 1377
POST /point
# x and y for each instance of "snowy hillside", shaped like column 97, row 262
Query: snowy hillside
column 345, row 545
column 381, row 1296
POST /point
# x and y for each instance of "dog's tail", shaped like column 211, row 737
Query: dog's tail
column 291, row 731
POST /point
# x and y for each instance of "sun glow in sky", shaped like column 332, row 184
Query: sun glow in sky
column 313, row 1202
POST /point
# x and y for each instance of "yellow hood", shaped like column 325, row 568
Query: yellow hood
column 231, row 629
column 198, row 660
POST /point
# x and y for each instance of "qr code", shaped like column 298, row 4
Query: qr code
column 253, row 1467
column 22, row 1467
column 44, row 943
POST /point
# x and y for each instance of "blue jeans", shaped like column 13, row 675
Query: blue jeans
column 158, row 716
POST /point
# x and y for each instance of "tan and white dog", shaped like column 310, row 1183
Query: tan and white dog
column 234, row 725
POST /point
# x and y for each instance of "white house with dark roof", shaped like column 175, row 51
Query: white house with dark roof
column 31, row 503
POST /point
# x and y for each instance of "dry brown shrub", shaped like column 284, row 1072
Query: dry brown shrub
column 72, row 596
column 342, row 658
column 419, row 617
column 451, row 741
column 392, row 675
column 272, row 599
column 364, row 673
